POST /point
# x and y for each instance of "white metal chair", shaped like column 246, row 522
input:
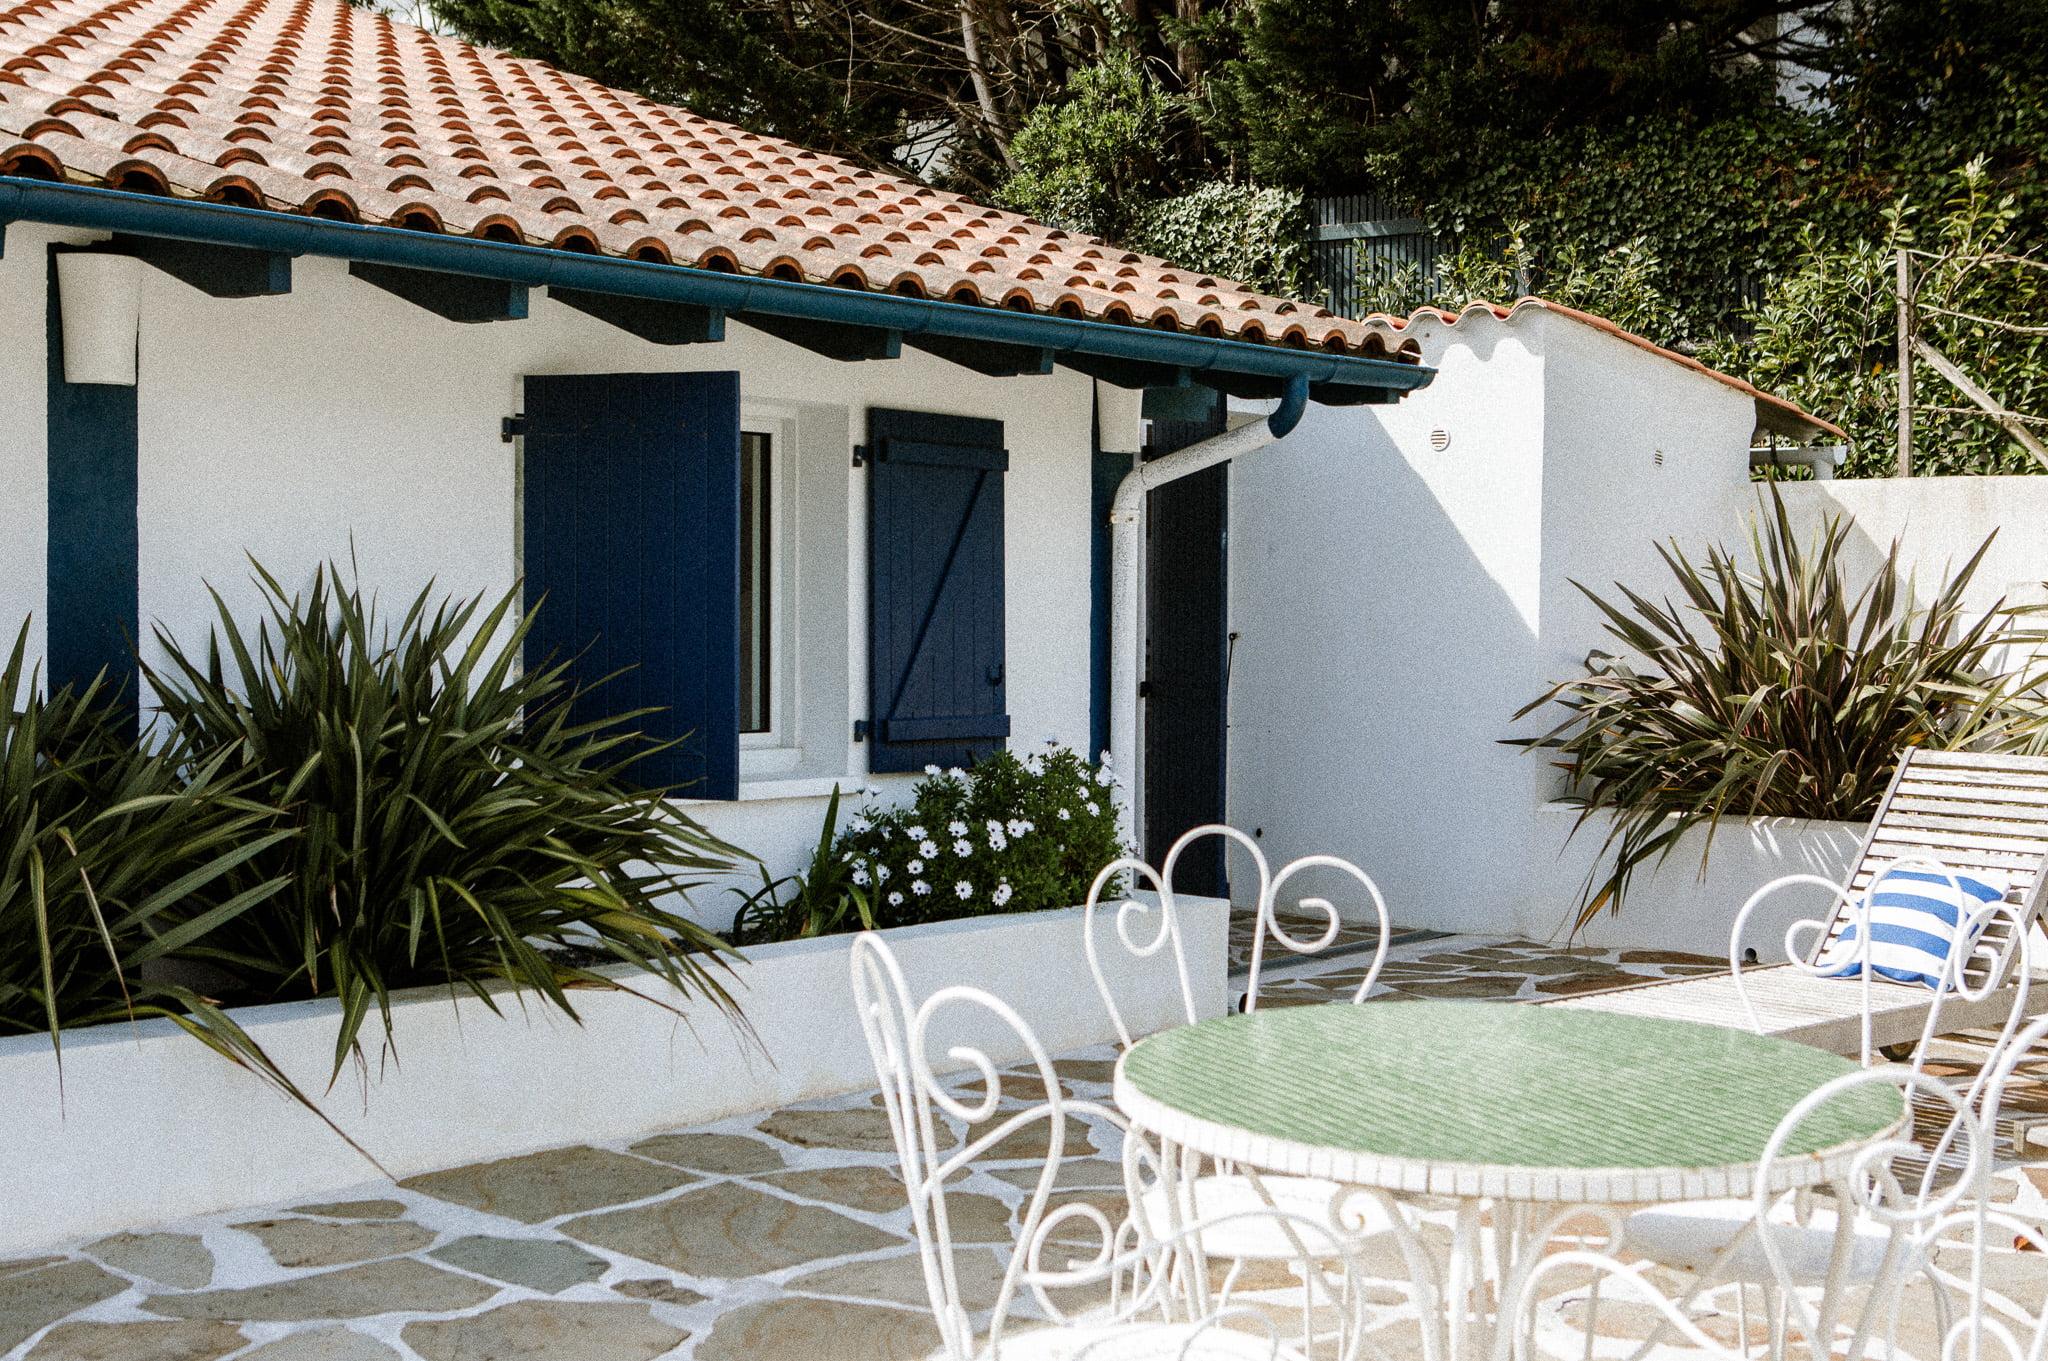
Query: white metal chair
column 1714, row 1238
column 1997, row 1321
column 1832, row 1267
column 1225, row 1195
column 1137, row 1312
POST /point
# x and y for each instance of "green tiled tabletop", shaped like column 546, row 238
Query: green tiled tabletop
column 1477, row 1098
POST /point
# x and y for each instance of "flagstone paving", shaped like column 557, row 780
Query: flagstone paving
column 778, row 1235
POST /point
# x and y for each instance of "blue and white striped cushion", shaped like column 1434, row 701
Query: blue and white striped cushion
column 1913, row 916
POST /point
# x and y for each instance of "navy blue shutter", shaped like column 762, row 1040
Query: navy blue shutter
column 935, row 589
column 632, row 536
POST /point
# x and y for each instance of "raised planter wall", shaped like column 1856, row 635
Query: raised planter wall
column 151, row 1126
column 1673, row 905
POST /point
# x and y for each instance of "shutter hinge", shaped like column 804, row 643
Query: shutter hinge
column 860, row 730
column 512, row 427
column 860, row 455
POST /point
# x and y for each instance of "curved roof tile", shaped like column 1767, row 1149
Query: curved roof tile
column 313, row 102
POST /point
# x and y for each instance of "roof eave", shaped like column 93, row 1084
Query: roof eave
column 1240, row 366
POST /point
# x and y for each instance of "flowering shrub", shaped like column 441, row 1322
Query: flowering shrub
column 1011, row 835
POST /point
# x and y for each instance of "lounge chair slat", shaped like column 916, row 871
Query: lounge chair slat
column 1959, row 778
column 1942, row 840
column 1977, row 813
column 1976, row 760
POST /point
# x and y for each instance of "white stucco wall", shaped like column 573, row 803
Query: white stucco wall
column 340, row 419
column 1397, row 603
column 24, row 478
column 1387, row 598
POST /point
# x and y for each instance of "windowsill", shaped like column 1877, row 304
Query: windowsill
column 768, row 761
column 767, row 790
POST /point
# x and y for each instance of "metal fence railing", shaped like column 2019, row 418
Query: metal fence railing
column 1360, row 238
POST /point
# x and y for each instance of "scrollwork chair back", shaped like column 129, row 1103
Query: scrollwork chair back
column 1144, row 929
column 919, row 1105
column 1986, row 948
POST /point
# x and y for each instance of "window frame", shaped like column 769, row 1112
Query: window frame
column 777, row 750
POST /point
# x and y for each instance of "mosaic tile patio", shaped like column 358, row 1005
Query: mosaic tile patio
column 779, row 1235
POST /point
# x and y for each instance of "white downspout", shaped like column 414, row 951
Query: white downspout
column 1126, row 517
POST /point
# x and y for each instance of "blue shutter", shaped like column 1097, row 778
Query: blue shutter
column 935, row 589
column 632, row 536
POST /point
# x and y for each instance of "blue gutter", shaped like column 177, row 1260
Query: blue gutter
column 71, row 205
column 1293, row 402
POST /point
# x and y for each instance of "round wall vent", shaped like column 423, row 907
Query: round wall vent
column 1439, row 439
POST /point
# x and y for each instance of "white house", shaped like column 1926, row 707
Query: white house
column 823, row 451
column 1443, row 537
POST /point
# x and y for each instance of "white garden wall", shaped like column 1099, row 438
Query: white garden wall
column 1939, row 522
column 341, row 421
column 150, row 1126
column 1689, row 900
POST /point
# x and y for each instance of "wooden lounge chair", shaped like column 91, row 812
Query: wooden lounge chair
column 1965, row 810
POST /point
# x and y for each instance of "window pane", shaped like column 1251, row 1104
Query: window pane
column 756, row 579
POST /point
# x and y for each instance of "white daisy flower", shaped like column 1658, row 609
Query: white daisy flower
column 963, row 890
column 1105, row 777
column 931, row 770
column 997, row 841
column 956, row 828
column 1094, row 809
column 1002, row 893
column 954, row 772
column 927, row 848
column 1103, row 760
column 1066, row 815
column 920, row 887
column 917, row 867
column 1019, row 826
column 860, row 878
column 963, row 848
column 895, row 899
column 882, row 873
column 995, row 828
column 916, row 832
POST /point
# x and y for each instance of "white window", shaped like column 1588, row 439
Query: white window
column 769, row 684
column 796, row 486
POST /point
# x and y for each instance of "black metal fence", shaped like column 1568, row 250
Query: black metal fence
column 1366, row 242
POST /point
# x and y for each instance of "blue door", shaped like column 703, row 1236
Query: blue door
column 632, row 525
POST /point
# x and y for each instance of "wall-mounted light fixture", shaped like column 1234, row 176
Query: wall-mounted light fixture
column 100, row 297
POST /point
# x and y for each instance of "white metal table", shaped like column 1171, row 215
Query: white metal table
column 1534, row 1113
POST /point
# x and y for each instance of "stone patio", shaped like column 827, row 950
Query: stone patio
column 779, row 1235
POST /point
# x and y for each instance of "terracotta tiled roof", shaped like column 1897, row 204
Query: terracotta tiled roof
column 1774, row 413
column 311, row 106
